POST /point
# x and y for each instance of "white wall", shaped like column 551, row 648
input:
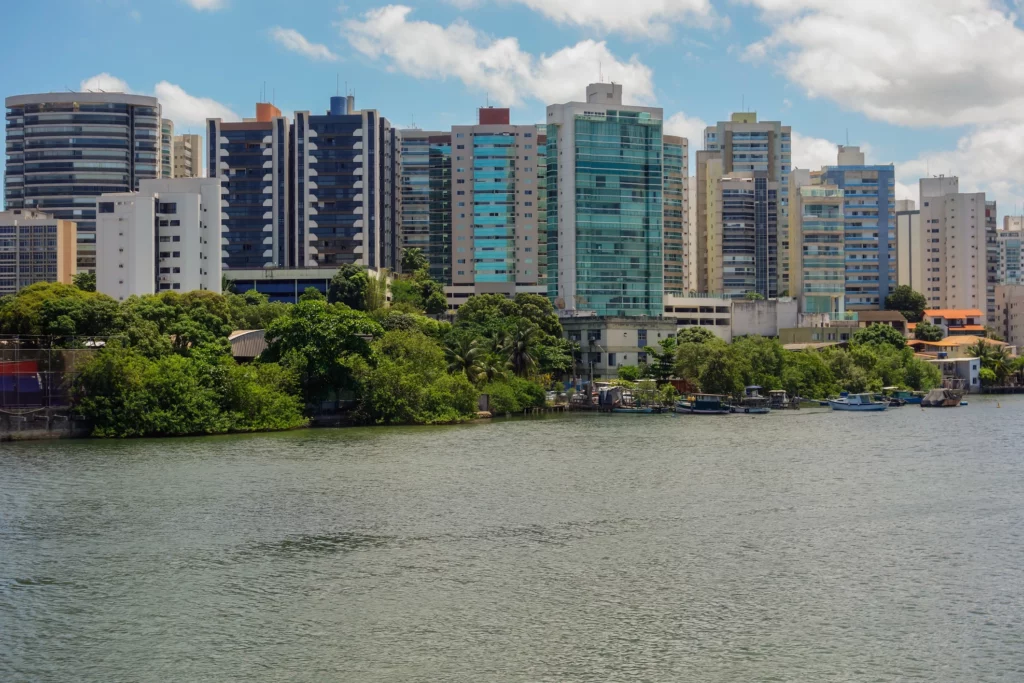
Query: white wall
column 125, row 245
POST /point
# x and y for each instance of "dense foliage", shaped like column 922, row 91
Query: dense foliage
column 928, row 332
column 166, row 367
column 874, row 360
column 908, row 302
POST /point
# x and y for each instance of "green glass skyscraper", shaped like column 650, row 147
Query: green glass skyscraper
column 605, row 205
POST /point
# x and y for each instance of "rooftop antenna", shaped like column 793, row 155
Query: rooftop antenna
column 600, row 72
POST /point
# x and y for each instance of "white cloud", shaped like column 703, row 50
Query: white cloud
column 987, row 159
column 294, row 41
column 911, row 62
column 207, row 5
column 104, row 82
column 689, row 127
column 813, row 153
column 638, row 18
column 177, row 105
column 497, row 66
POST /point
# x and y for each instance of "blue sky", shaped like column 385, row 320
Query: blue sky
column 932, row 85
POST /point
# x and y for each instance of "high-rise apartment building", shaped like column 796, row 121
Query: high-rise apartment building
column 251, row 160
column 692, row 261
column 188, row 156
column 605, row 210
column 747, row 145
column 66, row 149
column 1011, row 251
column 166, row 148
column 498, row 207
column 346, row 187
column 910, row 246
column 869, row 196
column 165, row 237
column 676, row 196
column 742, row 232
column 992, row 258
column 35, row 247
column 955, row 229
column 1009, row 318
column 415, row 231
column 818, row 255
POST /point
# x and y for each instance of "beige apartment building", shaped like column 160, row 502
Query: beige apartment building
column 1009, row 320
column 910, row 265
column 956, row 253
column 35, row 247
column 188, row 156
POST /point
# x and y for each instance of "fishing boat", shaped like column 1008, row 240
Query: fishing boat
column 858, row 403
column 635, row 410
column 752, row 403
column 703, row 404
column 949, row 396
column 910, row 398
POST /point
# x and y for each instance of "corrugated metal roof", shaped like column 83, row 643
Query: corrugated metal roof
column 247, row 343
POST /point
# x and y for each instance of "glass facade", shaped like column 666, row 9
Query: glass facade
column 618, row 236
column 1010, row 253
column 822, row 258
column 675, row 239
column 65, row 149
column 28, row 254
column 416, row 192
column 869, row 232
column 440, row 230
column 494, row 207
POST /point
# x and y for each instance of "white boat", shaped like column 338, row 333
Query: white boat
column 857, row 402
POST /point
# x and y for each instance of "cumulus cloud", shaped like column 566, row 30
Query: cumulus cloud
column 176, row 104
column 637, row 18
column 294, row 41
column 812, row 153
column 207, row 5
column 497, row 66
column 912, row 62
column 689, row 127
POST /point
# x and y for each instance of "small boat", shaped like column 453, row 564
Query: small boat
column 703, row 404
column 949, row 397
column 910, row 398
column 635, row 410
column 752, row 403
column 858, row 402
column 779, row 400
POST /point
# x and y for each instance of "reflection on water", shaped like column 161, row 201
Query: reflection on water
column 804, row 546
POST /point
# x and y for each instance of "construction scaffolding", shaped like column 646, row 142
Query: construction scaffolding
column 40, row 371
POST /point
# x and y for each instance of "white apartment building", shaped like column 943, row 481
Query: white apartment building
column 956, row 250
column 165, row 237
column 1011, row 251
column 1009, row 320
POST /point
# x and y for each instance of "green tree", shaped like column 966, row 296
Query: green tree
column 436, row 303
column 464, row 355
column 988, row 376
column 754, row 296
column 520, row 349
column 376, row 292
column 663, row 359
column 312, row 294
column 629, row 373
column 317, row 339
column 908, row 302
column 928, row 332
column 879, row 334
column 35, row 310
column 696, row 335
column 720, row 374
column 84, row 281
column 413, row 260
column 348, row 286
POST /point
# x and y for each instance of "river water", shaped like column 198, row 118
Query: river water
column 808, row 546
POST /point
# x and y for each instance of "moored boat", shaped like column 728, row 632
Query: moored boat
column 752, row 403
column 703, row 404
column 857, row 403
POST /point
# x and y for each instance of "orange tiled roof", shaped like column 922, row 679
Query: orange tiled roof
column 970, row 328
column 963, row 340
column 954, row 313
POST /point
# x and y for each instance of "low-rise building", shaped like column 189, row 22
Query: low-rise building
column 35, row 247
column 165, row 237
column 955, row 321
column 608, row 343
column 893, row 319
column 714, row 313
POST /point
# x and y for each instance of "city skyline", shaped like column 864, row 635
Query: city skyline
column 435, row 63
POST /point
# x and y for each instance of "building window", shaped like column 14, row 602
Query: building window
column 611, row 359
column 641, row 338
column 106, row 207
column 167, row 207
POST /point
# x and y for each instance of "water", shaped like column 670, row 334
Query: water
column 809, row 546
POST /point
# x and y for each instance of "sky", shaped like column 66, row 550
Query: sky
column 934, row 86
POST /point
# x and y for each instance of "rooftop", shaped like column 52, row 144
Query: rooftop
column 954, row 313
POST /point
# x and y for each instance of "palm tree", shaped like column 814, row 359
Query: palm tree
column 492, row 369
column 519, row 349
column 980, row 350
column 999, row 362
column 464, row 356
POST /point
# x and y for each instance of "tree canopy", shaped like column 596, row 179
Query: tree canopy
column 908, row 302
column 928, row 332
column 879, row 333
